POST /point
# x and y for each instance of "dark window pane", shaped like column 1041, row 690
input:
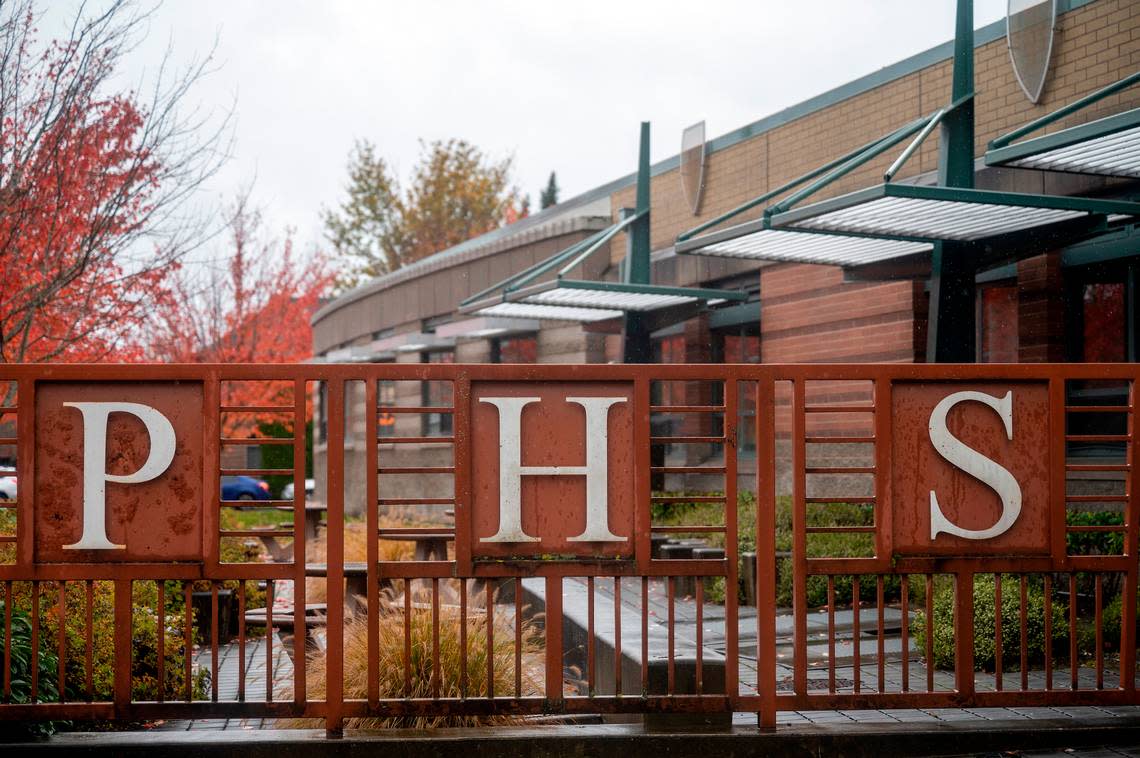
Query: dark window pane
column 518, row 350
column 997, row 326
column 1103, row 311
column 438, row 393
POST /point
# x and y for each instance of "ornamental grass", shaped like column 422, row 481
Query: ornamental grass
column 419, row 683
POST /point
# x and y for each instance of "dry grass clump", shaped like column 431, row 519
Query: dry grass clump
column 355, row 550
column 391, row 664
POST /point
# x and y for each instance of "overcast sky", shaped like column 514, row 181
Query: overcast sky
column 560, row 86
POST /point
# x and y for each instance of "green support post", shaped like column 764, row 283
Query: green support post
column 950, row 336
column 637, row 347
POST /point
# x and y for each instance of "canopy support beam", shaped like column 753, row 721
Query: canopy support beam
column 951, row 324
column 636, row 343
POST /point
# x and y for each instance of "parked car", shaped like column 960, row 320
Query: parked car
column 244, row 488
column 8, row 484
column 310, row 489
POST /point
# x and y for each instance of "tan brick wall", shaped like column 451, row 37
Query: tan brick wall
column 808, row 313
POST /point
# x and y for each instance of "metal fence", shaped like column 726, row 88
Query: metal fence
column 798, row 465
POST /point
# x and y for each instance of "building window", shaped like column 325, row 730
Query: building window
column 515, row 349
column 437, row 394
column 741, row 345
column 997, row 323
column 386, row 398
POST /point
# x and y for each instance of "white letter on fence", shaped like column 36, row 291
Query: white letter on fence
column 511, row 469
column 95, row 476
column 975, row 464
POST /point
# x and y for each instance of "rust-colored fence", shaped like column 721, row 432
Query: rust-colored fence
column 801, row 537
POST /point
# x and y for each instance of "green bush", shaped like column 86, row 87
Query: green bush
column 1095, row 543
column 985, row 627
column 20, row 674
column 144, row 639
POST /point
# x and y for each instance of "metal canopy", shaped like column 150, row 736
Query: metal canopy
column 755, row 241
column 551, row 312
column 1106, row 147
column 918, row 214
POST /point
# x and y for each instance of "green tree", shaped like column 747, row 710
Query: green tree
column 549, row 196
column 455, row 193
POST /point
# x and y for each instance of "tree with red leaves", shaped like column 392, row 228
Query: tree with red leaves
column 252, row 306
column 93, row 186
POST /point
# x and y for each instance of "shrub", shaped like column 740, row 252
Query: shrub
column 985, row 628
column 1095, row 543
column 391, row 664
column 20, row 673
column 144, row 640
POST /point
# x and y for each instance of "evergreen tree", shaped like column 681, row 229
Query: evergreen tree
column 549, row 196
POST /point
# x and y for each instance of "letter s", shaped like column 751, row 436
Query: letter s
column 976, row 465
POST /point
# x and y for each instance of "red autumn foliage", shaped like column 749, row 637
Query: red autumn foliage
column 252, row 306
column 91, row 182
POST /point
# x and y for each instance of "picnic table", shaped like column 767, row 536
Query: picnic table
column 355, row 577
column 314, row 512
column 430, row 546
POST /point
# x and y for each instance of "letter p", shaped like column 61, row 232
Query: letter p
column 95, row 476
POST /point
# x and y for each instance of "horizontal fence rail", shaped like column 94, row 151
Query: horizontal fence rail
column 666, row 539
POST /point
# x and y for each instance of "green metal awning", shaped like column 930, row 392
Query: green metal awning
column 890, row 221
column 1106, row 147
column 568, row 299
column 904, row 212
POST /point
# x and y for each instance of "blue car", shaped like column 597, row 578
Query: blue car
column 244, row 488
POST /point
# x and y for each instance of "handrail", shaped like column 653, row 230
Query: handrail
column 848, row 166
column 606, row 236
column 1064, row 111
column 934, row 121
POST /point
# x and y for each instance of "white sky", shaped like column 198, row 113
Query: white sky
column 560, row 86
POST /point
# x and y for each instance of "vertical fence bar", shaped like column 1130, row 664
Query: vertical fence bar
column 214, row 641
column 880, row 652
column 61, row 642
column 1024, row 599
column 905, row 633
column 300, row 537
column 35, row 658
column 731, row 537
column 799, row 539
column 591, row 677
column 90, row 633
column 700, row 623
column 161, row 639
column 1131, row 549
column 408, row 637
column 831, row 633
column 671, row 591
column 334, row 631
column 964, row 634
column 8, row 641
column 1074, row 663
column 188, row 641
column 997, row 633
column 270, row 600
column 644, row 635
column 617, row 636
column 1048, row 632
column 463, row 639
column 435, row 672
column 928, row 599
column 371, row 528
column 553, row 625
column 766, row 550
column 490, row 640
column 241, row 641
column 518, row 636
column 856, row 609
column 123, row 647
column 1099, row 621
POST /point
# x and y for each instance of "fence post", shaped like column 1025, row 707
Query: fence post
column 334, row 640
column 766, row 551
column 964, row 634
column 123, row 647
